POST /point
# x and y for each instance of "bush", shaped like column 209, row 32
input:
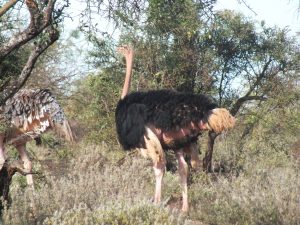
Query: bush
column 265, row 197
column 95, row 188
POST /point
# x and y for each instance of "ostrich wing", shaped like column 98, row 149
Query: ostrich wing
column 34, row 111
column 169, row 110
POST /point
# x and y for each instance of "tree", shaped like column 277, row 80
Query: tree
column 249, row 63
column 228, row 56
column 42, row 29
column 175, row 26
column 21, row 44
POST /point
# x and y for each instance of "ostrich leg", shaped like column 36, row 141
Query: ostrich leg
column 159, row 171
column 2, row 154
column 207, row 161
column 27, row 164
column 183, row 173
column 194, row 152
column 155, row 151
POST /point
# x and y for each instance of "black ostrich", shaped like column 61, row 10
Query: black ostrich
column 159, row 120
column 25, row 116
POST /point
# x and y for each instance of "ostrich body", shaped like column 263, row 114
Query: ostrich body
column 158, row 120
column 28, row 114
column 176, row 118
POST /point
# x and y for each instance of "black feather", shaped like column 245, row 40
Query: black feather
column 131, row 124
column 165, row 109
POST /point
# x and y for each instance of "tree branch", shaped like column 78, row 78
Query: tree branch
column 246, row 4
column 259, row 78
column 221, row 83
column 6, row 173
column 53, row 36
column 15, row 166
column 238, row 104
column 7, row 6
column 244, row 99
column 38, row 22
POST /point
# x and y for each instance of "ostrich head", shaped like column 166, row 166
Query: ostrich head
column 219, row 120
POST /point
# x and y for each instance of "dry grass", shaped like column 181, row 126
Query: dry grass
column 94, row 189
column 265, row 197
column 91, row 185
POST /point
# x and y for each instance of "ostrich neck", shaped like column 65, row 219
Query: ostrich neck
column 127, row 76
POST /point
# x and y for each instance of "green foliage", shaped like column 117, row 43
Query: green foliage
column 242, row 52
column 103, row 53
column 173, row 29
column 264, row 134
column 177, row 18
column 93, row 106
column 166, row 43
column 178, row 47
column 12, row 65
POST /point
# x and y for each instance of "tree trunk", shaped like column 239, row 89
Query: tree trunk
column 207, row 160
column 6, row 174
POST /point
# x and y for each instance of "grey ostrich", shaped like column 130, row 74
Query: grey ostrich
column 26, row 115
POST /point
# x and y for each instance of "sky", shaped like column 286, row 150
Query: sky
column 282, row 13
